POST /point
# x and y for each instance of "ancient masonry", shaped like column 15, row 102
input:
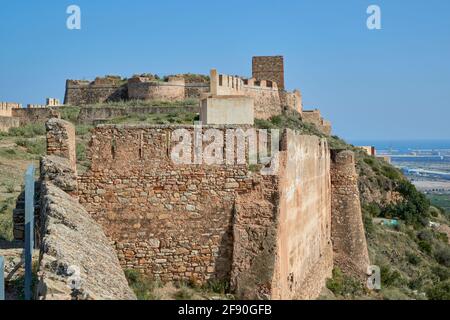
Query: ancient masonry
column 12, row 115
column 72, row 244
column 268, row 236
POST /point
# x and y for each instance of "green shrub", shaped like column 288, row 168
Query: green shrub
column 441, row 272
column 413, row 258
column 142, row 286
column 440, row 291
column 36, row 147
column 344, row 285
column 442, row 255
column 70, row 113
column 28, row 131
column 81, row 151
column 82, row 130
column 425, row 246
column 217, row 286
column 390, row 277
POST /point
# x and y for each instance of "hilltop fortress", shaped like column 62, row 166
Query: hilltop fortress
column 266, row 88
column 269, row 236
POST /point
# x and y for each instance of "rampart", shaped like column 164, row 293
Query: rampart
column 80, row 92
column 349, row 241
column 141, row 88
column 38, row 115
column 7, row 123
column 92, row 115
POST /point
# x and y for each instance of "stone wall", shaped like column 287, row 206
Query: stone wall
column 61, row 140
column 39, row 115
column 200, row 222
column 79, row 92
column 7, row 123
column 171, row 221
column 349, row 241
column 6, row 108
column 304, row 257
column 314, row 117
column 141, row 88
column 195, row 90
column 90, row 115
column 73, row 242
column 269, row 68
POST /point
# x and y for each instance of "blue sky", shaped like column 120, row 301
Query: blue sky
column 392, row 83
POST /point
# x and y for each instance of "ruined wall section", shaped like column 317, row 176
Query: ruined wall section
column 80, row 92
column 7, row 123
column 32, row 115
column 314, row 117
column 71, row 240
column 304, row 256
column 349, row 241
column 61, row 140
column 255, row 223
column 173, row 222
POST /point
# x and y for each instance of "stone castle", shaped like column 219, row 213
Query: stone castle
column 268, row 236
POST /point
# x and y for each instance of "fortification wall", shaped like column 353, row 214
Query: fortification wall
column 314, row 117
column 305, row 256
column 195, row 90
column 101, row 90
column 72, row 241
column 6, row 108
column 141, row 88
column 7, row 123
column 199, row 222
column 89, row 115
column 171, row 221
column 61, row 141
column 266, row 98
column 39, row 115
column 349, row 241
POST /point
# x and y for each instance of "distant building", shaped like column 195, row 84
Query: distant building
column 370, row 150
column 385, row 158
column 53, row 102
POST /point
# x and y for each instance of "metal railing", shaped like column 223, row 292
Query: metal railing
column 29, row 231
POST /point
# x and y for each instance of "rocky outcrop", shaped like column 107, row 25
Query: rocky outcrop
column 76, row 260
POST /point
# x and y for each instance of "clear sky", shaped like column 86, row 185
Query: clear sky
column 372, row 84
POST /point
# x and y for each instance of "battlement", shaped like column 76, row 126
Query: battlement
column 52, row 102
column 6, row 108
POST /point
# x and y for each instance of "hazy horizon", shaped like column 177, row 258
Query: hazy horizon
column 371, row 84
